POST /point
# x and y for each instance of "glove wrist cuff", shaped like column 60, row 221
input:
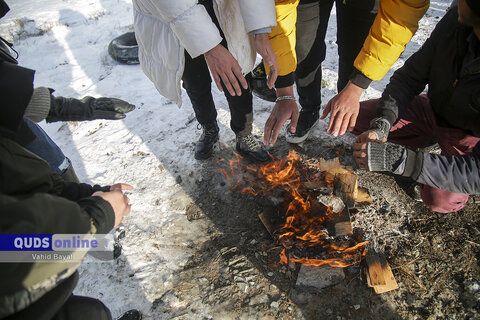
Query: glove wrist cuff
column 39, row 105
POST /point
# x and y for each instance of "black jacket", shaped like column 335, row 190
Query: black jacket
column 33, row 200
column 454, row 94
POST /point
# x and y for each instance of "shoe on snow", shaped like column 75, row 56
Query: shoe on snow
column 249, row 147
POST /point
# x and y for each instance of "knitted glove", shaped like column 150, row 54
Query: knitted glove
column 394, row 158
column 381, row 127
column 385, row 156
column 89, row 108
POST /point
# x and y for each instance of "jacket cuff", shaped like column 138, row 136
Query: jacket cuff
column 359, row 79
column 285, row 81
column 39, row 105
column 387, row 109
column 413, row 164
column 101, row 213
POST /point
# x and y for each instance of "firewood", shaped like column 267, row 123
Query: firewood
column 379, row 273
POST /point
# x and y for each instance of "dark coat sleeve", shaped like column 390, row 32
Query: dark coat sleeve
column 76, row 191
column 452, row 173
column 411, row 79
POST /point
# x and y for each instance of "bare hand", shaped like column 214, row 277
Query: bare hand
column 283, row 110
column 118, row 201
column 264, row 48
column 360, row 152
column 225, row 68
column 343, row 109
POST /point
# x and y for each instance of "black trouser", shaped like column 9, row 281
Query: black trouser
column 354, row 19
column 60, row 304
column 197, row 82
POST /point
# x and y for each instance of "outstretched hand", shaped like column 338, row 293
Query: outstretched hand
column 343, row 109
column 118, row 201
column 283, row 111
column 264, row 48
column 225, row 68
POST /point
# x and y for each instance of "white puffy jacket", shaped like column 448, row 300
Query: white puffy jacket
column 165, row 28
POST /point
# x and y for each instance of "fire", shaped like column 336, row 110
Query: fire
column 304, row 218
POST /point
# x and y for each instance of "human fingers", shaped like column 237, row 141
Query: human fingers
column 335, row 117
column 345, row 124
column 353, row 122
column 272, row 76
column 227, row 84
column 294, row 120
column 237, row 71
column 217, row 80
column 326, row 111
column 234, row 83
column 121, row 186
column 268, row 130
column 276, row 131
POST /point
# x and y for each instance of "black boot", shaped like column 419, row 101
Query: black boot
column 257, row 81
column 131, row 315
column 204, row 147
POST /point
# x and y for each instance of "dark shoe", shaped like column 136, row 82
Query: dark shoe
column 306, row 121
column 131, row 315
column 204, row 147
column 257, row 81
column 249, row 147
column 413, row 190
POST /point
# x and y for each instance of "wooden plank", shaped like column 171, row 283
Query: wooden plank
column 379, row 273
column 363, row 198
column 346, row 187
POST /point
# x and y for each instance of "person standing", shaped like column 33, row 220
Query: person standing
column 184, row 40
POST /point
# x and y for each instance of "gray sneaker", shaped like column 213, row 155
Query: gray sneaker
column 249, row 147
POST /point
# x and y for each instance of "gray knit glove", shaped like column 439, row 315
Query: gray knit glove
column 386, row 157
column 381, row 127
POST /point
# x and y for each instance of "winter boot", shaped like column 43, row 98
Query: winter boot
column 306, row 121
column 257, row 81
column 204, row 147
column 131, row 315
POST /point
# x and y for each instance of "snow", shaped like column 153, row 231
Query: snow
column 66, row 41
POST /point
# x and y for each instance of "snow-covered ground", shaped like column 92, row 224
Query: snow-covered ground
column 66, row 41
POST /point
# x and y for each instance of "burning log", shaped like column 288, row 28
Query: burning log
column 379, row 273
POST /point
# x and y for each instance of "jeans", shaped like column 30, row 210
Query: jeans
column 44, row 147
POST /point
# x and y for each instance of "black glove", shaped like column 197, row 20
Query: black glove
column 89, row 108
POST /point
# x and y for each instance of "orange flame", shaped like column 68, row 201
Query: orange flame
column 302, row 227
